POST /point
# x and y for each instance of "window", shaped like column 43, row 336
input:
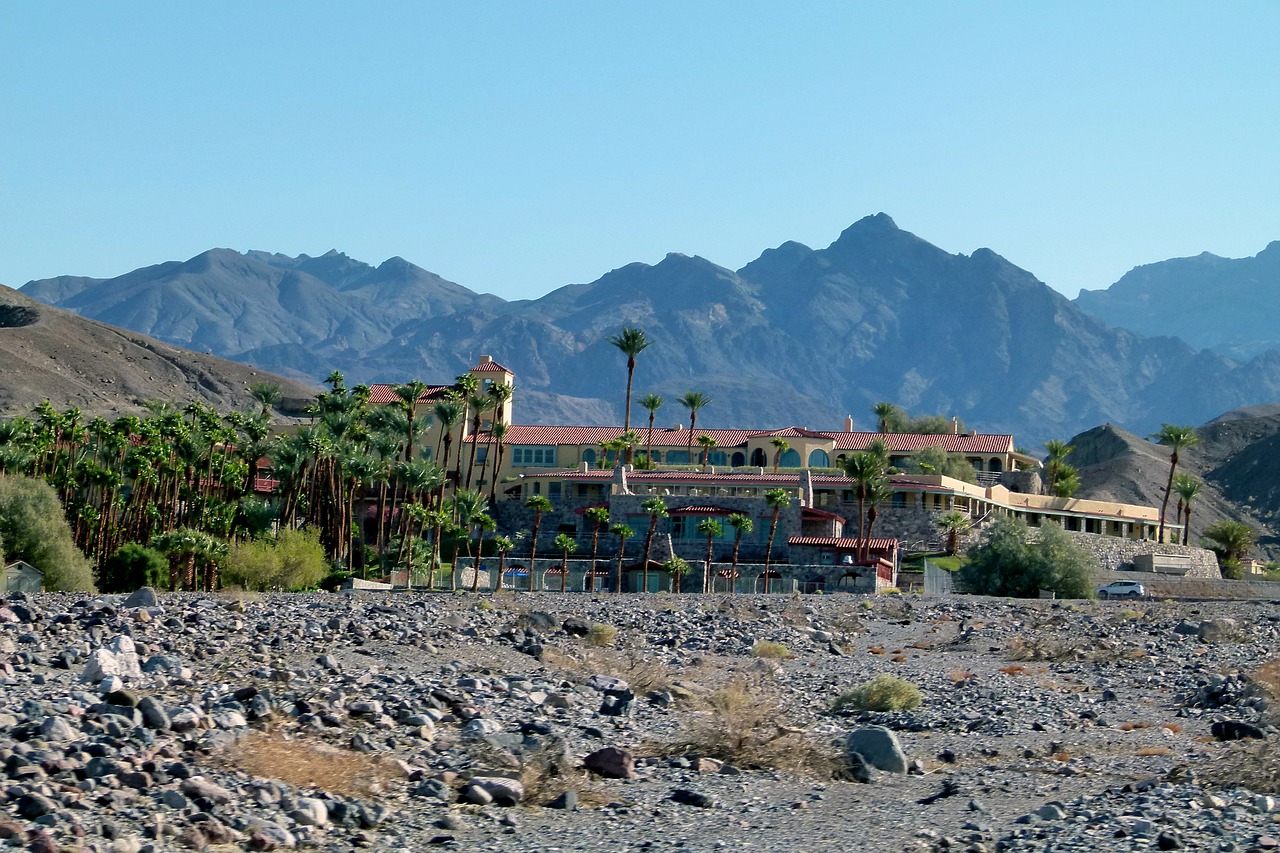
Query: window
column 553, row 489
column 739, row 459
column 677, row 457
column 819, row 459
column 717, row 457
column 790, row 459
column 534, row 455
column 482, row 454
column 899, row 500
column 589, row 456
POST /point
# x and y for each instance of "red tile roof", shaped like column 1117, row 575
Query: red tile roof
column 486, row 366
column 730, row 439
column 813, row 513
column 381, row 394
column 844, row 542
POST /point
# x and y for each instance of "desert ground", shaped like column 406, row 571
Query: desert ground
column 540, row 722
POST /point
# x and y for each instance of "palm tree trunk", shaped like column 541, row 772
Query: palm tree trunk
column 1168, row 490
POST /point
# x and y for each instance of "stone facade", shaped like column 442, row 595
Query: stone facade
column 1115, row 554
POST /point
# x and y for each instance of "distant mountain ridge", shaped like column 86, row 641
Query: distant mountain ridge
column 798, row 336
column 1199, row 300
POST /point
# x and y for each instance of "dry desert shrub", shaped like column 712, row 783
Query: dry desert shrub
column 641, row 674
column 1045, row 648
column 745, row 726
column 768, row 649
column 883, row 693
column 311, row 764
column 601, row 634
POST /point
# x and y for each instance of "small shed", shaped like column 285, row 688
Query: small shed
column 21, row 576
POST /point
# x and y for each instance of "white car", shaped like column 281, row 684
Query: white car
column 1122, row 589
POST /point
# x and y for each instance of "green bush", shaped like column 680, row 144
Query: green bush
column 34, row 529
column 134, row 566
column 883, row 693
column 294, row 560
column 1006, row 564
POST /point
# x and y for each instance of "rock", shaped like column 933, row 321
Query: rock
column 1236, row 730
column 1050, row 811
column 856, row 768
column 568, row 801
column 198, row 787
column 608, row 684
column 879, row 747
column 1218, row 630
column 576, row 627
column 32, row 806
column 310, row 812
column 57, row 730
column 142, row 597
column 612, row 763
column 502, row 791
column 153, row 713
column 434, row 789
column 1187, row 628
column 539, row 620
column 691, row 798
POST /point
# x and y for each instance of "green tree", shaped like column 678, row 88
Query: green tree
column 954, row 524
column 656, row 509
column 134, row 566
column 889, row 418
column 294, row 560
column 1005, row 563
column 780, row 446
column 693, row 401
column 1231, row 541
column 677, row 568
column 567, row 545
column 34, row 529
column 712, row 529
column 632, row 342
column 775, row 499
column 707, row 443
column 266, row 394
column 651, row 403
column 466, row 506
column 599, row 517
column 741, row 525
column 1177, row 439
column 1188, row 489
column 864, row 469
column 1057, row 454
column 539, row 504
column 623, row 533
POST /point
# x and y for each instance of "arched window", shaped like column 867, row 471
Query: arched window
column 819, row 459
column 717, row 457
column 739, row 459
column 758, row 458
column 995, row 465
column 677, row 457
column 790, row 459
column 589, row 456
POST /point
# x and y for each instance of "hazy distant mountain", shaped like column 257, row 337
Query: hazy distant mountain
column 799, row 336
column 47, row 353
column 1225, row 304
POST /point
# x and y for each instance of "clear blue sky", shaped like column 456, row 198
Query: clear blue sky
column 517, row 147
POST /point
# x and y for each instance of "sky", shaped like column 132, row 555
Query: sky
column 515, row 147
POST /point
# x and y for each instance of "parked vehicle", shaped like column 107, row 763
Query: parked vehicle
column 1122, row 589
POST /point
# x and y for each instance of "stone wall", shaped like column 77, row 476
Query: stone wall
column 1116, row 554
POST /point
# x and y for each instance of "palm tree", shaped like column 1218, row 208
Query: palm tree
column 501, row 545
column 887, row 415
column 567, row 545
column 466, row 506
column 863, row 469
column 623, row 533
column 448, row 413
column 706, row 442
column 1188, row 489
column 1176, row 438
column 479, row 403
column 656, row 509
column 741, row 525
column 484, row 523
column 954, row 524
column 676, row 567
column 780, row 446
column 266, row 394
column 499, row 433
column 651, row 402
column 409, row 394
column 878, row 492
column 598, row 516
column 632, row 342
column 712, row 529
column 775, row 499
column 1232, row 539
column 693, row 401
column 1057, row 451
column 539, row 504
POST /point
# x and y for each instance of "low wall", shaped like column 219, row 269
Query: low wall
column 1116, row 554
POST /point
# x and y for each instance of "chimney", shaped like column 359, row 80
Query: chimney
column 955, row 426
column 678, row 427
column 848, row 423
column 486, row 359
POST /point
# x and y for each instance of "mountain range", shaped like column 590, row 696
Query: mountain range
column 798, row 336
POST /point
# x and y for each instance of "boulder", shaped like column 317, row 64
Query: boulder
column 611, row 762
column 879, row 747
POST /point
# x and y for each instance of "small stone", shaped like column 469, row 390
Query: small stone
column 612, row 763
column 568, row 801
column 691, row 798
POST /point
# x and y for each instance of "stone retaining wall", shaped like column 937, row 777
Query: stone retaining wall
column 1116, row 554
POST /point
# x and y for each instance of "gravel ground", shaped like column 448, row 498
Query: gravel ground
column 523, row 723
